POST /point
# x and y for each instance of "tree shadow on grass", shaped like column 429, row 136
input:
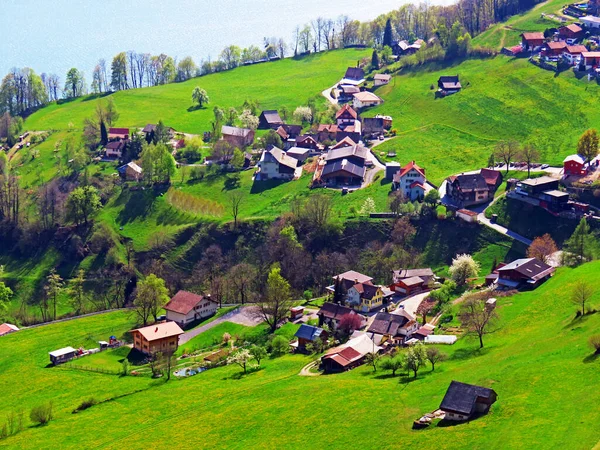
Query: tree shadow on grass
column 468, row 353
column 139, row 204
column 241, row 374
column 195, row 108
column 444, row 423
column 96, row 96
column 232, row 182
column 591, row 358
column 258, row 187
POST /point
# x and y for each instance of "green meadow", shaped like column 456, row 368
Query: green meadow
column 538, row 361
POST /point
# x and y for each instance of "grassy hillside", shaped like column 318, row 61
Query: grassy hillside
column 502, row 98
column 538, row 362
column 288, row 82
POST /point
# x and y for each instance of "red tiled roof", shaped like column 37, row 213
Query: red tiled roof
column 346, row 108
column 6, row 328
column 411, row 165
column 118, row 131
column 576, row 49
column 535, row 36
column 490, row 176
column 557, row 45
column 417, row 184
column 183, row 302
column 573, row 28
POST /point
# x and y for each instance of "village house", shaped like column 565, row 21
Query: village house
column 348, row 279
column 186, row 307
column 366, row 297
column 7, row 328
column 238, row 137
column 114, row 149
column 308, row 334
column 543, row 192
column 574, row 165
column 326, row 132
column 412, row 281
column 554, row 49
column 130, row 171
column 572, row 54
column 573, row 31
column 449, row 84
column 411, row 181
column 353, row 131
column 118, row 133
column 381, row 79
column 300, row 154
column 269, row 119
column 288, row 134
column 162, row 337
column 493, row 178
column 464, row 401
column 372, row 127
column 468, row 190
column 354, row 75
column 150, row 129
column 275, row 164
column 590, row 22
column 366, row 99
column 532, row 41
column 523, row 273
column 349, row 355
column 591, row 60
column 396, row 327
column 346, row 92
column 346, row 142
column 346, row 116
column 307, row 141
column 345, row 166
column 332, row 313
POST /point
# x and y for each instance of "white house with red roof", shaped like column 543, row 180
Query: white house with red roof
column 186, row 307
column 411, row 180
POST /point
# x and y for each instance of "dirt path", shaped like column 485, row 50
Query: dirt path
column 243, row 316
column 305, row 372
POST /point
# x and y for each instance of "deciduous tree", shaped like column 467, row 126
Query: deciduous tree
column 152, row 295
column 434, row 356
column 392, row 363
column 275, row 304
column 200, row 96
column 82, row 203
column 542, row 248
column 477, row 319
column 581, row 294
column 463, row 267
column 506, row 151
column 529, row 155
column 588, row 144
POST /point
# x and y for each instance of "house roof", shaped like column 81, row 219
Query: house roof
column 556, row 45
column 349, row 89
column 533, row 36
column 491, row 176
column 416, row 184
column 449, row 82
column 306, row 137
column 6, row 328
column 366, row 96
column 346, row 109
column 361, row 344
column 354, row 73
column 335, row 311
column 539, row 181
column 62, row 352
column 382, row 77
column 575, row 158
column 371, row 124
column 183, row 302
column 409, row 273
column 576, row 49
column 556, row 193
column 467, row 212
column 160, row 331
column 353, row 276
column 461, row 397
column 118, row 131
column 346, row 152
column 366, row 290
column 590, row 54
column 308, row 332
column 573, row 28
column 346, row 142
column 271, row 116
column 531, row 268
column 279, row 156
column 410, row 166
column 282, row 133
column 412, row 281
column 343, row 166
column 329, row 127
column 298, row 152
column 470, row 182
column 134, row 166
column 114, row 145
column 235, row 131
column 386, row 323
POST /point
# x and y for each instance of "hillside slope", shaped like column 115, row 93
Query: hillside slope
column 538, row 362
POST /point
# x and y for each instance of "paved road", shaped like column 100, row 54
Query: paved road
column 327, row 94
column 411, row 304
column 244, row 316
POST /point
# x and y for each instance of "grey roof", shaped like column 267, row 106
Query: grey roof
column 352, row 275
column 539, row 181
column 278, row 155
column 449, row 82
column 354, row 73
column 530, row 267
column 62, row 352
column 343, row 165
column 461, row 397
column 308, row 332
column 386, row 323
column 272, row 116
column 371, row 124
column 345, row 152
column 471, row 182
column 235, row 131
column 413, row 281
column 409, row 273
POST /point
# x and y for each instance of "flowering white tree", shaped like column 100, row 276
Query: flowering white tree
column 240, row 358
column 303, row 114
column 249, row 120
column 463, row 267
column 368, row 207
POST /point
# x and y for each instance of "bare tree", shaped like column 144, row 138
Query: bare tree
column 582, row 292
column 235, row 201
column 243, row 277
column 529, row 155
column 434, row 356
column 329, row 34
column 506, row 151
column 317, row 27
column 477, row 319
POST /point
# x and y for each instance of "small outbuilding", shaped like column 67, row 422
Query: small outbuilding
column 62, row 355
column 7, row 328
column 467, row 215
column 465, row 401
column 308, row 334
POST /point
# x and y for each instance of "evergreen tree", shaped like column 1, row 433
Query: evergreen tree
column 578, row 247
column 375, row 60
column 388, row 36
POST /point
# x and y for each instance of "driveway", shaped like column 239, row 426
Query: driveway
column 246, row 315
column 327, row 94
column 411, row 304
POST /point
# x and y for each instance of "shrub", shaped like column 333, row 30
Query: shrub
column 85, row 405
column 279, row 346
column 595, row 342
column 226, row 338
column 41, row 414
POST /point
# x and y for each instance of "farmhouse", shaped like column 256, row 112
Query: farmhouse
column 114, row 149
column 162, row 337
column 532, row 41
column 355, row 74
column 308, row 334
column 7, row 328
column 366, row 297
column 412, row 281
column 468, row 190
column 554, row 49
column 349, row 355
column 463, row 401
column 381, row 79
column 572, row 31
column 269, row 119
column 346, row 116
column 130, row 171
column 276, row 164
column 572, row 53
column 118, row 133
column 307, row 141
column 331, row 314
column 366, row 99
column 590, row 59
column 449, row 84
column 396, row 327
column 345, row 165
column 238, row 137
column 150, row 129
column 574, row 165
column 525, row 272
column 410, row 180
column 187, row 307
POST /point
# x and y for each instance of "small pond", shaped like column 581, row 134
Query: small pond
column 189, row 371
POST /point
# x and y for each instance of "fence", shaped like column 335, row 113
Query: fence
column 90, row 369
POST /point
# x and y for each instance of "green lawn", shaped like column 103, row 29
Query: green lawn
column 538, row 362
column 288, row 82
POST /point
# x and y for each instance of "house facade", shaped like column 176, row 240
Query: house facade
column 114, row 149
column 572, row 53
column 411, row 181
column 275, row 164
column 237, row 137
column 464, row 401
column 366, row 99
column 365, row 297
column 186, row 307
column 574, row 165
column 525, row 272
column 162, row 337
column 468, row 190
column 381, row 79
column 269, row 119
column 532, row 41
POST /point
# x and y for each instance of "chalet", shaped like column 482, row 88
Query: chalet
column 590, row 22
column 532, row 41
column 332, row 313
column 7, row 328
column 366, row 297
column 300, row 154
column 572, row 31
column 276, row 164
column 355, row 74
column 366, row 99
column 346, row 142
column 493, row 178
column 287, row 132
column 387, row 121
column 345, row 165
column 327, row 132
column 411, row 181
column 574, row 165
column 118, row 133
column 381, row 79
column 467, row 216
column 372, row 127
column 114, row 149
column 412, row 281
column 356, row 154
column 349, row 279
column 400, row 47
column 307, row 334
column 554, row 49
column 346, row 92
column 307, row 141
column 464, row 401
column 572, row 54
column 426, row 274
column 396, row 327
column 591, row 60
column 237, row 137
column 162, row 337
column 349, row 355
column 346, row 116
column 187, row 307
column 62, row 355
column 449, row 84
column 525, row 272
column 269, row 120
column 468, row 190
column 130, row 171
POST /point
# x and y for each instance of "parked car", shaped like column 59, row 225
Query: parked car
column 545, row 166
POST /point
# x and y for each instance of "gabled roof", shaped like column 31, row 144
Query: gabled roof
column 409, row 273
column 531, row 268
column 346, row 152
column 346, row 142
column 271, row 116
column 533, row 36
column 576, row 49
column 590, row 19
column 461, row 397
column 349, row 89
column 556, row 45
column 386, row 323
column 308, row 332
column 353, row 276
column 412, row 281
column 235, row 131
column 346, row 110
column 6, row 328
column 371, row 124
column 354, row 73
column 279, row 156
column 470, row 182
column 160, row 331
column 134, row 167
column 183, row 302
column 575, row 158
column 382, row 77
column 335, row 311
column 282, row 133
column 328, row 127
column 449, row 82
column 491, row 176
column 410, row 166
column 366, row 96
column 114, row 145
column 366, row 290
column 118, row 131
column 343, row 165
column 573, row 28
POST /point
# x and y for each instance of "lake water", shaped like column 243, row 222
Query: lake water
column 54, row 35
